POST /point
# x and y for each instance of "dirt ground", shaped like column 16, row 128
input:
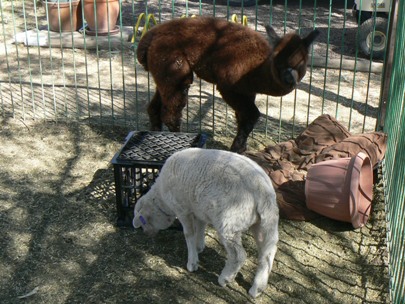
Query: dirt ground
column 59, row 242
column 59, row 239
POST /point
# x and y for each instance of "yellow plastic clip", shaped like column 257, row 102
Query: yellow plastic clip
column 244, row 22
column 147, row 24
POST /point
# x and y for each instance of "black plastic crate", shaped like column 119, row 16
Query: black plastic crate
column 137, row 165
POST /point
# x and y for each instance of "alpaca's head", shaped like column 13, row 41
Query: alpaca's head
column 290, row 56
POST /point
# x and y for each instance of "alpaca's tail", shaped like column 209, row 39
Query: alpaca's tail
column 142, row 50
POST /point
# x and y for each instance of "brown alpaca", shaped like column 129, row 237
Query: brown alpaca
column 240, row 61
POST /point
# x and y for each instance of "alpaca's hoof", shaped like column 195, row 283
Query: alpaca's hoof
column 238, row 148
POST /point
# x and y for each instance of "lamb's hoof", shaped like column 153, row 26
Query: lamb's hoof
column 200, row 248
column 254, row 292
column 192, row 266
column 224, row 280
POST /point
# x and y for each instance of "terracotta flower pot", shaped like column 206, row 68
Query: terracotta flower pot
column 70, row 21
column 101, row 16
column 341, row 189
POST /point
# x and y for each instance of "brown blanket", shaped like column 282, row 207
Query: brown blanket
column 287, row 163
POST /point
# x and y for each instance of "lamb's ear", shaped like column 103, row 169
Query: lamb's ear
column 308, row 40
column 274, row 39
column 136, row 222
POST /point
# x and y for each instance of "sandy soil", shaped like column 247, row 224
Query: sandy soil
column 57, row 211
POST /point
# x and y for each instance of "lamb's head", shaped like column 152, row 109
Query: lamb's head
column 289, row 57
column 150, row 215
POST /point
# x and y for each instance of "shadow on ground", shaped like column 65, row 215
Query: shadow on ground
column 59, row 240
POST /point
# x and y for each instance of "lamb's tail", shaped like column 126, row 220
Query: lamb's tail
column 269, row 218
column 143, row 47
column 266, row 235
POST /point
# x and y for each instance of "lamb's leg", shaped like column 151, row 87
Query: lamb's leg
column 236, row 256
column 266, row 239
column 154, row 110
column 200, row 234
column 188, row 223
column 247, row 114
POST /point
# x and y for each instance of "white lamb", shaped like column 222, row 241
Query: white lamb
column 224, row 189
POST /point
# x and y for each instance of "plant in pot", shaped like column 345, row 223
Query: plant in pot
column 101, row 16
column 64, row 15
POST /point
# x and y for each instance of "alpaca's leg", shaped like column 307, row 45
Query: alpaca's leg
column 246, row 114
column 173, row 81
column 266, row 239
column 154, row 109
column 246, row 120
column 200, row 234
column 174, row 99
column 188, row 223
column 236, row 256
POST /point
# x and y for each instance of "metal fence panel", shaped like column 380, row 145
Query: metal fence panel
column 72, row 75
column 51, row 75
column 394, row 169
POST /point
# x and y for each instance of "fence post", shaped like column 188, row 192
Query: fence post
column 387, row 70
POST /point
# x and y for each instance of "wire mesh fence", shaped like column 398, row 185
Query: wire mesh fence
column 78, row 75
column 394, row 169
column 51, row 75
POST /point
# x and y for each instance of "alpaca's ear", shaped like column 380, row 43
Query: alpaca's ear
column 308, row 40
column 274, row 39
